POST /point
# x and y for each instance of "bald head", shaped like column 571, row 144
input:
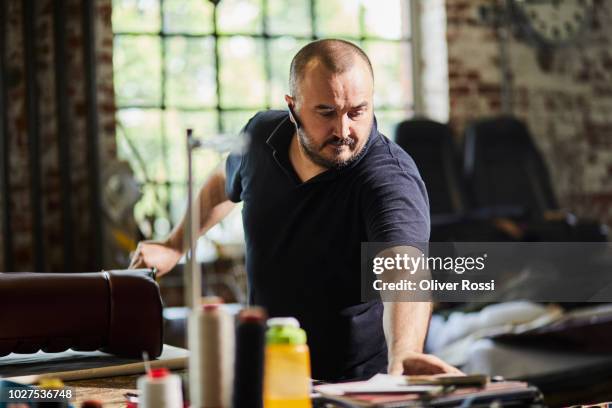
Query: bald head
column 337, row 56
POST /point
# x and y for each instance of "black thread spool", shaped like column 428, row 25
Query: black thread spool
column 249, row 364
column 91, row 404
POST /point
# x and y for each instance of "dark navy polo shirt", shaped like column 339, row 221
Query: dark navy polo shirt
column 303, row 240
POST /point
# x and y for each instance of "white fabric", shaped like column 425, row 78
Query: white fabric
column 488, row 357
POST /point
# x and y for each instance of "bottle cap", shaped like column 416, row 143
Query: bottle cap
column 159, row 372
column 209, row 307
column 252, row 315
column 91, row 404
column 283, row 321
column 50, row 383
column 285, row 330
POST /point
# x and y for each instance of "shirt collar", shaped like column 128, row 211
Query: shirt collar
column 280, row 139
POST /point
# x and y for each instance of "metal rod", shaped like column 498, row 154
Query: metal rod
column 193, row 273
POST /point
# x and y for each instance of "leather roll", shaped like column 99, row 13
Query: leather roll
column 118, row 312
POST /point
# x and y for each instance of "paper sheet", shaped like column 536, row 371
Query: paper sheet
column 380, row 383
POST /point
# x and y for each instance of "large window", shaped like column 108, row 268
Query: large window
column 187, row 63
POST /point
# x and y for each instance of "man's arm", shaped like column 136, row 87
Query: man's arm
column 214, row 206
column 405, row 324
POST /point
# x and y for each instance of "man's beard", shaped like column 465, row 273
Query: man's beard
column 314, row 152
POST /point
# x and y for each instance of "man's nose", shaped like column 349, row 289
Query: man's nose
column 342, row 127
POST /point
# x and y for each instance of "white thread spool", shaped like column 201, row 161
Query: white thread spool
column 211, row 362
column 160, row 389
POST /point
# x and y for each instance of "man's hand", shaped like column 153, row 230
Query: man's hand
column 414, row 363
column 155, row 254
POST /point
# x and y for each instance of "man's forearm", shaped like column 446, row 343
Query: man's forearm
column 405, row 325
column 213, row 207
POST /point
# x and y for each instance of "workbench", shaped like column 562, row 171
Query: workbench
column 109, row 391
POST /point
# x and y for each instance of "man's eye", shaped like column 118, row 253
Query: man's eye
column 327, row 114
column 356, row 114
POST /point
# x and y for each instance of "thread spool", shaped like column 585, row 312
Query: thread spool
column 160, row 389
column 249, row 366
column 211, row 363
column 91, row 404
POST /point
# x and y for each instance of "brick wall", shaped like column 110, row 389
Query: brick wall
column 81, row 217
column 566, row 100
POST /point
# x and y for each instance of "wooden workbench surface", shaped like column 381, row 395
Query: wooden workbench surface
column 110, row 391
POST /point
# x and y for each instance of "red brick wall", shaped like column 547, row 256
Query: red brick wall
column 50, row 161
column 567, row 105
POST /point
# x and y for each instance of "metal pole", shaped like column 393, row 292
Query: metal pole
column 193, row 276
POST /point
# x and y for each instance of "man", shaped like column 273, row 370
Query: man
column 316, row 182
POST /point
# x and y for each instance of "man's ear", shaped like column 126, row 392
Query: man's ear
column 289, row 101
column 292, row 115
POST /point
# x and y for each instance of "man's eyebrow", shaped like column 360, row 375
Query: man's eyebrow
column 330, row 107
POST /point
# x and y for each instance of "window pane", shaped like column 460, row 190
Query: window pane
column 282, row 51
column 242, row 72
column 137, row 73
column 142, row 127
column 385, row 22
column 240, row 16
column 292, row 17
column 392, row 78
column 136, row 16
column 188, row 16
column 151, row 212
column 204, row 162
column 204, row 125
column 388, row 120
column 233, row 122
column 190, row 67
column 178, row 202
column 337, row 18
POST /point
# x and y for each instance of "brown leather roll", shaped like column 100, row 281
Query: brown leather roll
column 119, row 312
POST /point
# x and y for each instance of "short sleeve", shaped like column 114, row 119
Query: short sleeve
column 234, row 164
column 396, row 208
column 233, row 178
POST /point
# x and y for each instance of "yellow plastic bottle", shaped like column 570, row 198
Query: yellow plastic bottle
column 287, row 366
